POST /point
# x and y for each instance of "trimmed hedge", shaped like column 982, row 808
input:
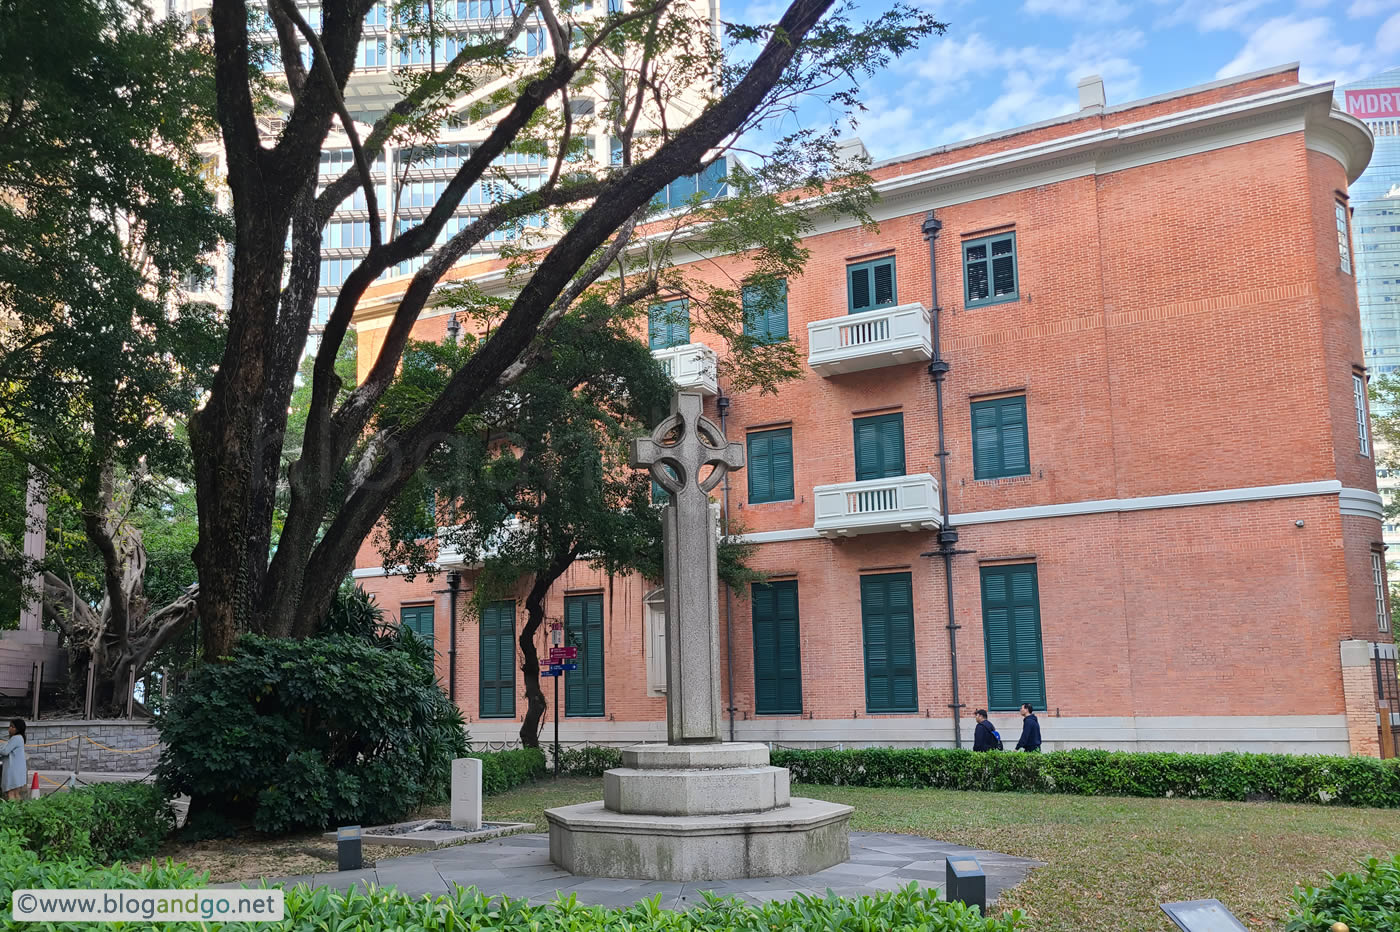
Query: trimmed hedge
column 106, row 822
column 1342, row 781
column 1367, row 902
column 589, row 761
column 504, row 770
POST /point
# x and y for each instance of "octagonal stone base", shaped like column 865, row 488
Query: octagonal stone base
column 695, row 792
column 804, row 837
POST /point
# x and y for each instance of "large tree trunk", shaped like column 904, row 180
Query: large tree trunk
column 535, row 703
column 238, row 589
column 94, row 640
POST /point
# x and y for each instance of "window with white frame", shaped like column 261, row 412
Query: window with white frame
column 1358, row 393
column 1343, row 238
column 1382, row 600
column 654, row 631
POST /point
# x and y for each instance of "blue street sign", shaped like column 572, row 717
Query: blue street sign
column 550, row 672
column 568, row 666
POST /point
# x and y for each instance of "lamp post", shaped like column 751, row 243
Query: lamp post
column 454, row 327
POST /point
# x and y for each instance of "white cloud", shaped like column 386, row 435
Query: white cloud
column 892, row 130
column 1388, row 36
column 1093, row 10
column 1024, row 98
column 1363, row 8
column 1209, row 15
column 1283, row 39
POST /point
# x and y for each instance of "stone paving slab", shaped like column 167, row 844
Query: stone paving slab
column 518, row 866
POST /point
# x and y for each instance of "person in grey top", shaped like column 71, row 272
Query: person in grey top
column 16, row 771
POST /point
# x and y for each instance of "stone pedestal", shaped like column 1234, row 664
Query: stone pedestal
column 698, row 812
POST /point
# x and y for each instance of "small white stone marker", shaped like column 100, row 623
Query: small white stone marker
column 466, row 794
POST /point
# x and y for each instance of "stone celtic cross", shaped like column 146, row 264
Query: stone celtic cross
column 676, row 453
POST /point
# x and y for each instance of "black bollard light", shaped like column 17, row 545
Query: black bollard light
column 347, row 848
column 966, row 882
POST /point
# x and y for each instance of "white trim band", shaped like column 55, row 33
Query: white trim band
column 1357, row 502
column 1362, row 503
column 1383, row 651
column 1150, row 502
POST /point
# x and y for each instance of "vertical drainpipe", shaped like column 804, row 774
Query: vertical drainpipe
column 453, row 580
column 947, row 536
column 722, row 405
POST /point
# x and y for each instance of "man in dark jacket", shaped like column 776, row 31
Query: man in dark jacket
column 986, row 737
column 1030, row 729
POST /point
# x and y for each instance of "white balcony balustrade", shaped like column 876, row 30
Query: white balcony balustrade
column 692, row 366
column 873, row 506
column 869, row 340
column 450, row 555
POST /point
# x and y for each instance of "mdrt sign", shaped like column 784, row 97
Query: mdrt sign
column 1374, row 103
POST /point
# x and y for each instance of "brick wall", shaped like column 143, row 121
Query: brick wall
column 1179, row 329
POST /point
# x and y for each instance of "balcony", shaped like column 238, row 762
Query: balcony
column 874, row 506
column 450, row 554
column 890, row 336
column 692, row 366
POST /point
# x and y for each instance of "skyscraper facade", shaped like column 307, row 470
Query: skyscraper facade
column 1375, row 234
column 411, row 175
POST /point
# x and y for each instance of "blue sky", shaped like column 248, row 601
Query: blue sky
column 1004, row 64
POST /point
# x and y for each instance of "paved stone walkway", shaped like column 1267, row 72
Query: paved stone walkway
column 519, row 866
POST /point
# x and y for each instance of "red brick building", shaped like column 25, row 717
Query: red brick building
column 1158, row 494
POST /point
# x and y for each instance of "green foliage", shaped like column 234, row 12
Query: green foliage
column 1367, row 901
column 1342, row 781
column 22, row 867
column 588, row 761
column 505, row 770
column 304, row 734
column 107, row 822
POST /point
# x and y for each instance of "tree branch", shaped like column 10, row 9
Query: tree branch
column 322, row 63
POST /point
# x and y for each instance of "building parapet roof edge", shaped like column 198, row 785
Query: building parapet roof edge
column 1080, row 114
column 380, row 305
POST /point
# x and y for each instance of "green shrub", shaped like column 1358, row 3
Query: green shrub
column 106, row 822
column 589, row 761
column 129, row 820
column 504, row 770
column 58, row 825
column 1348, row 781
column 23, row 868
column 1366, row 902
column 304, row 734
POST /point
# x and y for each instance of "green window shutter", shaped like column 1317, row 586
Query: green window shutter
column 870, row 285
column 989, row 270
column 496, row 659
column 765, row 320
column 668, row 324
column 777, row 650
column 887, row 626
column 419, row 620
column 1011, row 633
column 583, row 628
column 1000, row 441
column 879, row 445
column 659, row 495
column 769, row 466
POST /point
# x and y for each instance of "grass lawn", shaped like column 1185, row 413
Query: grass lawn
column 1111, row 861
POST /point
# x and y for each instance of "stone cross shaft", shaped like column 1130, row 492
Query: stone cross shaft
column 676, row 453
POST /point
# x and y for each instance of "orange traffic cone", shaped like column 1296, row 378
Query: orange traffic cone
column 34, row 786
